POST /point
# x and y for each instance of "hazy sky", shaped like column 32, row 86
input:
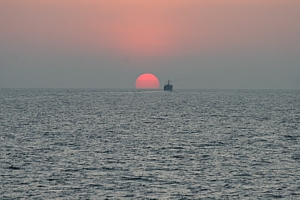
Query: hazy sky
column 198, row 44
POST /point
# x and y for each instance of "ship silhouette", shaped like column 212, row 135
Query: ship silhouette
column 168, row 86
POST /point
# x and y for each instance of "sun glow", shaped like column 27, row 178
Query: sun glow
column 139, row 37
column 149, row 28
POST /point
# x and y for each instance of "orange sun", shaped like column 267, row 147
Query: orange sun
column 147, row 81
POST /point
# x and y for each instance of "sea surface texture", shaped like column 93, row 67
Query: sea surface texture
column 129, row 144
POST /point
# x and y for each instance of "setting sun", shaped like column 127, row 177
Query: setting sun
column 147, row 81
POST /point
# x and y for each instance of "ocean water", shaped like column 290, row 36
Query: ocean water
column 128, row 144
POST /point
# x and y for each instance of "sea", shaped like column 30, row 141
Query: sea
column 149, row 144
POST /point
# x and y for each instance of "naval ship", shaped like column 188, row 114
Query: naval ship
column 168, row 86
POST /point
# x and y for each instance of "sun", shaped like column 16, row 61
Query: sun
column 147, row 81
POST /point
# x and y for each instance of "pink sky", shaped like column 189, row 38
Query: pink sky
column 93, row 43
column 151, row 27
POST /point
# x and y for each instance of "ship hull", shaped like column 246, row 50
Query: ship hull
column 168, row 87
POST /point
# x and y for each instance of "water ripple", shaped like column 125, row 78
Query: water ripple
column 90, row 144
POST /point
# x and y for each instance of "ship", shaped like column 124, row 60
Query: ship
column 168, row 86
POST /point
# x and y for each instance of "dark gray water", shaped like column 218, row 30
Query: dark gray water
column 89, row 144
